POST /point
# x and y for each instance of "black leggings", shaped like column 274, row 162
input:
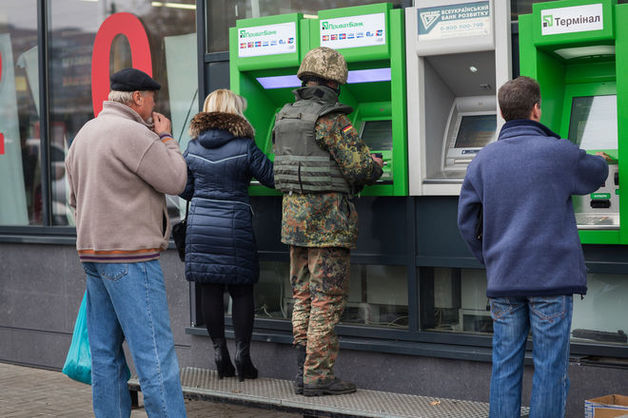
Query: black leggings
column 242, row 309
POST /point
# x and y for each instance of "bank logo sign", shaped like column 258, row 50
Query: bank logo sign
column 429, row 18
column 455, row 20
column 267, row 40
column 353, row 31
column 572, row 19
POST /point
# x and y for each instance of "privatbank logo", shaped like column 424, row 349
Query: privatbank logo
column 325, row 25
column 429, row 18
column 548, row 21
column 246, row 34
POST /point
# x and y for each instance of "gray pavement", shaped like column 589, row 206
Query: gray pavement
column 27, row 392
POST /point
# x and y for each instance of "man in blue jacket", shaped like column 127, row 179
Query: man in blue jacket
column 516, row 215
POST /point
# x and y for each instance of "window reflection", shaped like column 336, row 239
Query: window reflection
column 600, row 316
column 520, row 7
column 20, row 154
column 73, row 26
column 273, row 293
column 454, row 300
column 378, row 295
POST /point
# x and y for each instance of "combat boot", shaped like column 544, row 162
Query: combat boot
column 330, row 386
column 224, row 367
column 298, row 379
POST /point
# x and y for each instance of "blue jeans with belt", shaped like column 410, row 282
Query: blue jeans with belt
column 549, row 319
column 128, row 301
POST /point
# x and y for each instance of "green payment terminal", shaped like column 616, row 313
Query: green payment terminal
column 593, row 127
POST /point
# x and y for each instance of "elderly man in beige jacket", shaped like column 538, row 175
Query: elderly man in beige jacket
column 120, row 166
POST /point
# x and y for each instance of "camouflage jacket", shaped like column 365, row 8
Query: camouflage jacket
column 330, row 219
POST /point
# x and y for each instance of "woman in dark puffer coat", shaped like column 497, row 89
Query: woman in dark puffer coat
column 220, row 248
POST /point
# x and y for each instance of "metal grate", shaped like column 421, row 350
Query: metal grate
column 278, row 394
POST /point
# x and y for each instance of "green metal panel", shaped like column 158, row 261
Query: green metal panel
column 364, row 53
column 267, row 61
column 606, row 35
column 398, row 101
column 561, row 80
column 621, row 63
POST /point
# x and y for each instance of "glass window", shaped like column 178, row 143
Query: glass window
column 378, row 295
column 20, row 171
column 73, row 24
column 600, row 317
column 273, row 293
column 454, row 300
column 520, row 7
column 221, row 15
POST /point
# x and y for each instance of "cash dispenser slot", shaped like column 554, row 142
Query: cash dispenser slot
column 601, row 204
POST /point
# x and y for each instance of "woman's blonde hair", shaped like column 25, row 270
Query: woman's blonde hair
column 225, row 101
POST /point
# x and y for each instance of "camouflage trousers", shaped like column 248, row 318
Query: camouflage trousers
column 320, row 285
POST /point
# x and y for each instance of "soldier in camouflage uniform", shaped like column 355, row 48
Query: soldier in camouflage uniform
column 320, row 164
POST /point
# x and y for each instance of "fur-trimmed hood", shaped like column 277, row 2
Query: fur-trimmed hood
column 234, row 124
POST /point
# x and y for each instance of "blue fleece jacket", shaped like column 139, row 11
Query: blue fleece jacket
column 521, row 187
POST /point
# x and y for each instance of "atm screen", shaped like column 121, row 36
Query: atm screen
column 593, row 123
column 377, row 134
column 476, row 131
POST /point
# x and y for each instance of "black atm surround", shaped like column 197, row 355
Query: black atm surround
column 420, row 233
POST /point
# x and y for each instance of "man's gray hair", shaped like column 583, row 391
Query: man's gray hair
column 124, row 97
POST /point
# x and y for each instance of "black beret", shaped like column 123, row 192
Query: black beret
column 131, row 79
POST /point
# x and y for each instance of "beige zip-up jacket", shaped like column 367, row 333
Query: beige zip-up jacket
column 119, row 171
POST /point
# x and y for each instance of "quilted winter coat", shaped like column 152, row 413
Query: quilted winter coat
column 222, row 158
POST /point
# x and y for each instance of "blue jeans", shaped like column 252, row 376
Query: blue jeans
column 129, row 301
column 549, row 318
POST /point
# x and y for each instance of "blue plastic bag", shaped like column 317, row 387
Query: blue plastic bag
column 78, row 363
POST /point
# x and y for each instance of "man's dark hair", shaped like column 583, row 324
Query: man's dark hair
column 517, row 98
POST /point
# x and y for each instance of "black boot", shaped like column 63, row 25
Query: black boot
column 329, row 386
column 223, row 362
column 244, row 366
column 298, row 379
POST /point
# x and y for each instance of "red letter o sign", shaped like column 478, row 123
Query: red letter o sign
column 117, row 24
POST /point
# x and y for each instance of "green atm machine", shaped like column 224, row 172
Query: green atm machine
column 578, row 51
column 370, row 37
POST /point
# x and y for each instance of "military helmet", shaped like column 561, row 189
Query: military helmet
column 324, row 63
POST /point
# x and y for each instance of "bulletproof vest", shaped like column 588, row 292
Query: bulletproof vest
column 301, row 166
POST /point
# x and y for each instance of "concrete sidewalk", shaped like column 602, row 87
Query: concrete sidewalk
column 27, row 392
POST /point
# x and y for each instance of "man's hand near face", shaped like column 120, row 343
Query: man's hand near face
column 162, row 124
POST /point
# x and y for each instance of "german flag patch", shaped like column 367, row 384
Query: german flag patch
column 347, row 128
